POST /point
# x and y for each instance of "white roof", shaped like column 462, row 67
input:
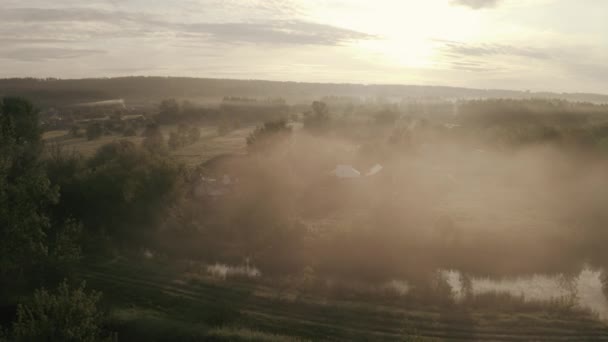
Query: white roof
column 374, row 170
column 346, row 171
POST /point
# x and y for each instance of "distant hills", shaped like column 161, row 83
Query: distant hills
column 143, row 90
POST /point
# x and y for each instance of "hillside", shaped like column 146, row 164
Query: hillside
column 57, row 92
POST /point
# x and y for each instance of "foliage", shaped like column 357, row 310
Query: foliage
column 64, row 315
column 168, row 110
column 183, row 136
column 25, row 190
column 318, row 120
column 129, row 131
column 271, row 133
column 386, row 117
column 194, row 134
column 153, row 139
column 120, row 190
column 94, row 131
column 75, row 131
column 174, row 141
column 227, row 126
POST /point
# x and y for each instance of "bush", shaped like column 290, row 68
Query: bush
column 174, row 141
column 224, row 127
column 194, row 134
column 154, row 140
column 268, row 135
column 65, row 315
column 94, row 131
column 129, row 131
column 121, row 189
column 318, row 119
column 25, row 195
column 75, row 131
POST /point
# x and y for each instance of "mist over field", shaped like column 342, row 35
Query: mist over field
column 303, row 170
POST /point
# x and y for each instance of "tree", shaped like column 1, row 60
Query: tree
column 168, row 110
column 319, row 118
column 25, row 192
column 153, row 141
column 269, row 134
column 129, row 131
column 174, row 141
column 122, row 191
column 75, row 131
column 94, row 131
column 194, row 134
column 66, row 315
column 386, row 117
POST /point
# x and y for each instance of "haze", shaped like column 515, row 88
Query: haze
column 303, row 170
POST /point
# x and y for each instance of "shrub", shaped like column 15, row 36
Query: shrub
column 174, row 141
column 119, row 190
column 75, row 131
column 129, row 131
column 94, row 131
column 318, row 119
column 65, row 315
column 194, row 134
column 154, row 140
column 266, row 136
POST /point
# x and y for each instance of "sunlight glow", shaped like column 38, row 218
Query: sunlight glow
column 407, row 31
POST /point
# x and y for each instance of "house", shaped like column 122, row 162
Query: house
column 374, row 170
column 213, row 188
column 346, row 172
column 138, row 118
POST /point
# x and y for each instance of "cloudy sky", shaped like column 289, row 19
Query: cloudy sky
column 557, row 45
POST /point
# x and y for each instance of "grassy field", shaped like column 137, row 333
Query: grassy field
column 153, row 302
column 210, row 144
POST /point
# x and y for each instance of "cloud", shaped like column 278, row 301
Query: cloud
column 476, row 4
column 274, row 32
column 454, row 49
column 96, row 23
column 45, row 15
column 37, row 54
column 473, row 66
column 490, row 57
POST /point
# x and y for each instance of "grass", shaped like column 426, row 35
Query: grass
column 152, row 302
column 245, row 334
column 211, row 144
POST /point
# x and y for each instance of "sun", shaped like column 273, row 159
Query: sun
column 406, row 32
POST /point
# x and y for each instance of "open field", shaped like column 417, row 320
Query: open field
column 209, row 145
column 150, row 302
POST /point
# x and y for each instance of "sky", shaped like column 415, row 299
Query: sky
column 553, row 45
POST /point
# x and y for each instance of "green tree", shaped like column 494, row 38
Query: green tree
column 174, row 141
column 25, row 193
column 121, row 191
column 153, row 139
column 269, row 134
column 75, row 131
column 129, row 131
column 65, row 315
column 318, row 120
column 168, row 110
column 94, row 131
column 194, row 134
